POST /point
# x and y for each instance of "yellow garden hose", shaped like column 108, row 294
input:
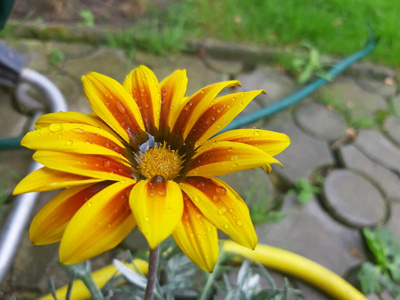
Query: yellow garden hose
column 281, row 260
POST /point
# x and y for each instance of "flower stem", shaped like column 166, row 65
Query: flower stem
column 92, row 286
column 152, row 273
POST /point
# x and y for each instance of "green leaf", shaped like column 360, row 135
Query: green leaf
column 389, row 285
column 369, row 278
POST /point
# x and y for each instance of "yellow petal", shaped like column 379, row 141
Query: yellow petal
column 219, row 114
column 194, row 106
column 71, row 117
column 74, row 138
column 270, row 142
column 99, row 225
column 197, row 237
column 49, row 224
column 173, row 89
column 45, row 179
column 115, row 106
column 95, row 166
column 221, row 158
column 144, row 87
column 223, row 207
column 157, row 206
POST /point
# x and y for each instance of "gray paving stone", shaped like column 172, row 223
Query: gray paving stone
column 13, row 167
column 70, row 50
column 378, row 148
column 276, row 84
column 309, row 231
column 304, row 154
column 309, row 292
column 360, row 104
column 12, row 122
column 354, row 159
column 393, row 223
column 35, row 52
column 199, row 75
column 320, row 122
column 396, row 104
column 379, row 87
column 354, row 199
column 392, row 128
column 110, row 62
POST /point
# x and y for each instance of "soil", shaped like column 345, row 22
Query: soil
column 116, row 13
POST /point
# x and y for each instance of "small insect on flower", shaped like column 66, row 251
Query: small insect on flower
column 146, row 157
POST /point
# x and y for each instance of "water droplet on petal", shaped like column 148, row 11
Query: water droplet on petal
column 226, row 226
column 107, row 164
column 220, row 190
column 239, row 222
column 257, row 133
column 90, row 204
column 215, row 198
column 197, row 198
column 88, row 142
column 69, row 143
column 55, row 127
column 198, row 216
column 107, row 145
column 222, row 211
column 78, row 130
column 121, row 108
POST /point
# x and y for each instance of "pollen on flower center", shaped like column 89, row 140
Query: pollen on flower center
column 160, row 161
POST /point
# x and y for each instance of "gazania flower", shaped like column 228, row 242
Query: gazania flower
column 147, row 157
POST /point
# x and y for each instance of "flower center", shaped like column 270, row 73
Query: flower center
column 160, row 161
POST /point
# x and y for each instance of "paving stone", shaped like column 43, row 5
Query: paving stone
column 70, row 50
column 11, row 121
column 304, row 154
column 320, row 122
column 254, row 186
column 135, row 241
column 360, row 104
column 229, row 68
column 276, row 84
column 309, row 231
column 110, row 62
column 396, row 104
column 354, row 199
column 35, row 52
column 13, row 167
column 392, row 128
column 378, row 148
column 393, row 223
column 379, row 87
column 354, row 159
column 199, row 75
column 309, row 292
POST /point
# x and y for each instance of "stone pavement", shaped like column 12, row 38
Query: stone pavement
column 357, row 170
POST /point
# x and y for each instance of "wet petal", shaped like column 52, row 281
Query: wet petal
column 173, row 89
column 115, row 106
column 220, row 158
column 71, row 117
column 144, row 87
column 99, row 225
column 95, row 166
column 74, row 138
column 195, row 105
column 218, row 115
column 223, row 207
column 157, row 206
column 45, row 179
column 49, row 224
column 197, row 237
column 270, row 142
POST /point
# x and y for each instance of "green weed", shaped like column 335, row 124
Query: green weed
column 87, row 18
column 56, row 58
column 304, row 190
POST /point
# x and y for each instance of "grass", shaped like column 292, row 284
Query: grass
column 334, row 27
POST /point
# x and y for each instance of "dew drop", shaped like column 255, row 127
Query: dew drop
column 147, row 219
column 222, row 211
column 55, row 127
column 90, row 204
column 215, row 198
column 197, row 198
column 109, row 225
column 78, row 130
column 88, row 142
column 121, row 108
column 220, row 190
column 107, row 145
column 198, row 216
column 162, row 192
column 239, row 222
column 38, row 134
column 226, row 226
column 107, row 164
column 257, row 133
column 69, row 143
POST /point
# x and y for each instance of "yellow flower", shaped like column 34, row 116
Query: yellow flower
column 147, row 156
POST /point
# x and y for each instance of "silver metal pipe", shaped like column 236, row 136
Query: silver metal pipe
column 18, row 218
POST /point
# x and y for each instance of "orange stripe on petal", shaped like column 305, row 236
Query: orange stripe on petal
column 45, row 179
column 195, row 105
column 144, row 87
column 95, row 166
column 49, row 224
column 74, row 138
column 270, row 142
column 197, row 237
column 223, row 207
column 157, row 206
column 220, row 158
column 99, row 225
column 115, row 106
column 219, row 115
column 173, row 89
